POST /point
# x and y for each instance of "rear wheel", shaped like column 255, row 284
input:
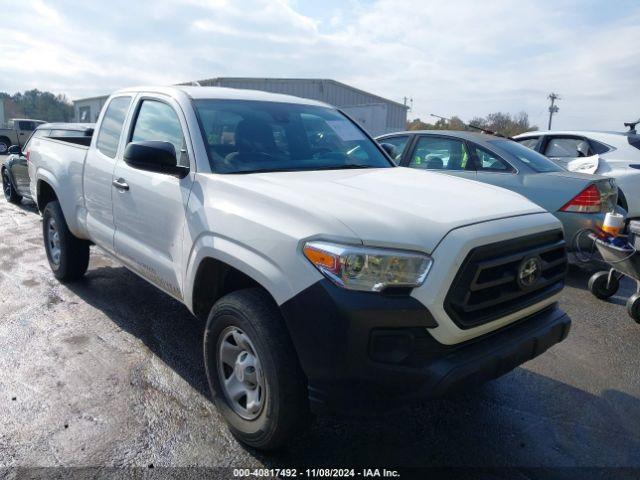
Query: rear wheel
column 603, row 287
column 7, row 187
column 4, row 146
column 68, row 255
column 253, row 371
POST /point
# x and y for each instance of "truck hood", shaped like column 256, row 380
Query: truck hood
column 393, row 207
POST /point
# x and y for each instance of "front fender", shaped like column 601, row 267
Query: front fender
column 241, row 257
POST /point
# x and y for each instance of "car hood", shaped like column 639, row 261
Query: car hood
column 395, row 207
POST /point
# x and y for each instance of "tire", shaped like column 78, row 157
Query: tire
column 601, row 287
column 4, row 146
column 10, row 193
column 633, row 307
column 68, row 255
column 280, row 408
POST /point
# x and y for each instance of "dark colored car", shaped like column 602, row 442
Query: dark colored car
column 15, row 171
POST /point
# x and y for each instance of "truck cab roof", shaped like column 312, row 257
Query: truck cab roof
column 222, row 93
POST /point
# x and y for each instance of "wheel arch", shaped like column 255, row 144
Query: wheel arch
column 218, row 266
column 45, row 193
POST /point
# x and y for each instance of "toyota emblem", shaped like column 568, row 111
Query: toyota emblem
column 529, row 272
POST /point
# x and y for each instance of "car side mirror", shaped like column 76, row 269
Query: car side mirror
column 154, row 156
column 390, row 149
column 14, row 150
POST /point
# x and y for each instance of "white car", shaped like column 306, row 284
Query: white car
column 328, row 277
column 612, row 154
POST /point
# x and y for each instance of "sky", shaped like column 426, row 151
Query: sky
column 465, row 58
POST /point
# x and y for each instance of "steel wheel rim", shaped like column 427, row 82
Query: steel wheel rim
column 6, row 184
column 240, row 373
column 3, row 148
column 53, row 241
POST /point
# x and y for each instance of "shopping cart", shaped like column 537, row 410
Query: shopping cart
column 624, row 261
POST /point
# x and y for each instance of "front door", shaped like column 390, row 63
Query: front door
column 150, row 207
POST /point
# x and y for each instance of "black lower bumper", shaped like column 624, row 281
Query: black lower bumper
column 366, row 351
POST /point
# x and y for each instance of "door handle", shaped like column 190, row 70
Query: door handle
column 120, row 184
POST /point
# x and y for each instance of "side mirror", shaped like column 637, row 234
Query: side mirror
column 14, row 150
column 390, row 149
column 154, row 156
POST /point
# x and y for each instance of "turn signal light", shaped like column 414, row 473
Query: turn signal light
column 587, row 201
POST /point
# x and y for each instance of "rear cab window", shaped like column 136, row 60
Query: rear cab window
column 111, row 126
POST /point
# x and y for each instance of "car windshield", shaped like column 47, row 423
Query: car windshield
column 246, row 136
column 532, row 159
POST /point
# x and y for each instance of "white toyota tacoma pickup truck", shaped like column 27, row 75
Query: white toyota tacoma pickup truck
column 329, row 279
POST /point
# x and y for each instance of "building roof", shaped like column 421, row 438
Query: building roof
column 375, row 98
column 294, row 80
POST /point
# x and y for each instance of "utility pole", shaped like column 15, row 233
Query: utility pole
column 553, row 108
column 410, row 100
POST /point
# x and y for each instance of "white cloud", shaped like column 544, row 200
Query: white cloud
column 461, row 57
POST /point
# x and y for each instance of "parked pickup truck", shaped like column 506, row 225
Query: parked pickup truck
column 329, row 279
column 17, row 133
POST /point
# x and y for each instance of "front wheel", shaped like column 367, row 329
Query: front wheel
column 253, row 370
column 10, row 193
column 67, row 254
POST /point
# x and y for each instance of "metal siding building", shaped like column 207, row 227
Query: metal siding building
column 87, row 110
column 376, row 114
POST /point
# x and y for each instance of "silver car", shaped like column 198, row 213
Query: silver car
column 578, row 200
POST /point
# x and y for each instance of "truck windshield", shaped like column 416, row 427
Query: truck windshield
column 246, row 136
column 537, row 162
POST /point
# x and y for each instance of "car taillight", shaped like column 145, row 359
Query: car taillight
column 26, row 154
column 588, row 200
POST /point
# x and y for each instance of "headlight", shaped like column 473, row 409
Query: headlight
column 368, row 269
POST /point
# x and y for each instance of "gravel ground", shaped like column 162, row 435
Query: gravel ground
column 108, row 372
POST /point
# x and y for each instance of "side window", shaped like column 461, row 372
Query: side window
column 28, row 126
column 85, row 114
column 490, row 162
column 528, row 142
column 400, row 143
column 598, row 147
column 438, row 153
column 157, row 121
column 567, row 147
column 111, row 127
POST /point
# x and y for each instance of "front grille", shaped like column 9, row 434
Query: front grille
column 487, row 287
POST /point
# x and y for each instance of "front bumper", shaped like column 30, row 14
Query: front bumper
column 368, row 352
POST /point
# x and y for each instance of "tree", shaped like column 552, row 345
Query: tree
column 498, row 122
column 37, row 105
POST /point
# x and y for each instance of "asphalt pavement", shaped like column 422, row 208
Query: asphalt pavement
column 108, row 372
